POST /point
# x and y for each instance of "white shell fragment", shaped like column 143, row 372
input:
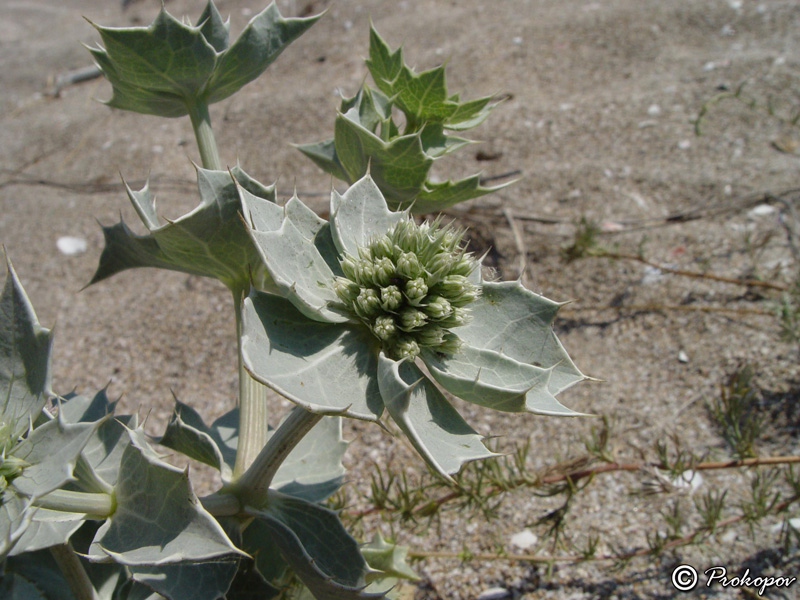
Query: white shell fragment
column 495, row 593
column 524, row 540
column 71, row 246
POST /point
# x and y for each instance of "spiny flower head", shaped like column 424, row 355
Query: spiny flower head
column 410, row 286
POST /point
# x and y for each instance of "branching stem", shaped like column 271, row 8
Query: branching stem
column 253, row 485
column 96, row 505
column 206, row 144
column 253, row 411
column 73, row 571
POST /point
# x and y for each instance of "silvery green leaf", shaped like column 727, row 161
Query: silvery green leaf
column 260, row 213
column 313, row 541
column 213, row 28
column 170, row 65
column 187, row 433
column 51, row 452
column 360, row 214
column 421, row 96
column 324, row 156
column 389, row 560
column 15, row 517
column 209, row 241
column 103, row 451
column 76, row 408
column 256, row 540
column 260, row 43
column 313, row 470
column 299, row 271
column 33, row 576
column 158, row 519
column 487, row 378
column 398, row 166
column 433, row 426
column 326, row 368
column 48, row 528
column 24, row 359
column 512, row 320
column 198, row 581
column 436, row 196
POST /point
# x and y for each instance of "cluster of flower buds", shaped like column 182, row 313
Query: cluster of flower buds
column 10, row 466
column 410, row 287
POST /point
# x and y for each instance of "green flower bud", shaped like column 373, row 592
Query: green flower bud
column 365, row 272
column 406, row 348
column 408, row 265
column 438, row 308
column 346, row 290
column 384, row 271
column 411, row 318
column 465, row 265
column 382, row 247
column 384, row 328
column 459, row 316
column 452, row 286
column 416, row 289
column 368, row 304
column 348, row 268
column 451, row 344
column 391, row 298
column 431, row 336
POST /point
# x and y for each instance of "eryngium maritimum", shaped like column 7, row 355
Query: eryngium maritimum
column 410, row 286
column 368, row 297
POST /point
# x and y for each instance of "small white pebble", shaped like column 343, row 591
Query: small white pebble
column 71, row 246
column 495, row 593
column 683, row 357
column 761, row 210
column 516, row 40
column 654, row 110
column 709, row 66
column 565, row 106
column 688, row 480
column 524, row 540
column 651, row 274
column 684, row 144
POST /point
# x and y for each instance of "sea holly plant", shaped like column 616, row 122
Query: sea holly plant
column 367, row 314
column 368, row 295
column 367, row 138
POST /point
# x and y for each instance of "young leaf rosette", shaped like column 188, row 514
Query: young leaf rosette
column 369, row 298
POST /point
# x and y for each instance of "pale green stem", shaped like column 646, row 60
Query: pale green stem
column 96, row 505
column 88, row 479
column 73, row 572
column 253, row 485
column 201, row 122
column 253, row 412
column 221, row 504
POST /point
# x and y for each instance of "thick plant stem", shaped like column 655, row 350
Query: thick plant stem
column 73, row 571
column 253, row 412
column 253, row 485
column 201, row 122
column 96, row 505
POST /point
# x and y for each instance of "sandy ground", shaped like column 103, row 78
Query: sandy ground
column 598, row 120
